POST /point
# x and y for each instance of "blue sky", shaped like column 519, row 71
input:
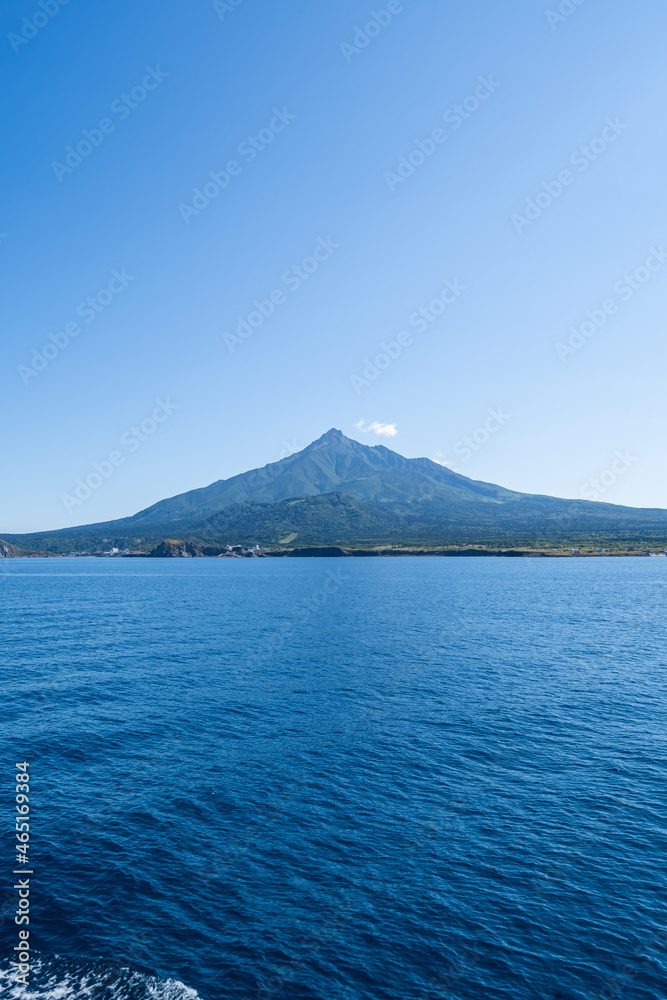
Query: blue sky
column 309, row 114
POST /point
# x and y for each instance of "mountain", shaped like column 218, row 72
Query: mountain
column 332, row 464
column 338, row 491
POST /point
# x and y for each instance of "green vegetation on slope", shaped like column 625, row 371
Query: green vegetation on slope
column 340, row 492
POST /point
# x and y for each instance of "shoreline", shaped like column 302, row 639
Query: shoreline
column 333, row 552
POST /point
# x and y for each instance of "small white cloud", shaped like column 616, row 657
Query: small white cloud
column 441, row 460
column 382, row 430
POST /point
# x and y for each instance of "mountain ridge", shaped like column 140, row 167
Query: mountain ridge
column 337, row 490
column 322, row 466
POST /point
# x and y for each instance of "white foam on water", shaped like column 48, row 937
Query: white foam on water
column 60, row 979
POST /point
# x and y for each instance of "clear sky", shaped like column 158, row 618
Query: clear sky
column 365, row 156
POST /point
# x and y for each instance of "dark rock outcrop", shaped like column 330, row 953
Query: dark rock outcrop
column 172, row 548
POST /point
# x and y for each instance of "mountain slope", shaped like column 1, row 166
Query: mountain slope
column 333, row 463
column 300, row 521
column 339, row 519
column 338, row 490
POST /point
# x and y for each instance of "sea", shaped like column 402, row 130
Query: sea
column 337, row 779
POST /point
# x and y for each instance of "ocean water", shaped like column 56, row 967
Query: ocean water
column 369, row 779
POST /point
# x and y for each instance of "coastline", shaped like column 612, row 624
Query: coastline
column 334, row 552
